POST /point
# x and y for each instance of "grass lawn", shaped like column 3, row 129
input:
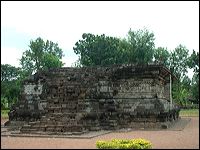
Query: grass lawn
column 189, row 112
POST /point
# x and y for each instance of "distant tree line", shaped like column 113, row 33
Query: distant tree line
column 101, row 50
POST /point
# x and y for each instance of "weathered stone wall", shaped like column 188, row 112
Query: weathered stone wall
column 94, row 98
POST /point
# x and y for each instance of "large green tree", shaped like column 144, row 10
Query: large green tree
column 193, row 63
column 141, row 46
column 179, row 61
column 103, row 50
column 162, row 56
column 41, row 55
column 98, row 50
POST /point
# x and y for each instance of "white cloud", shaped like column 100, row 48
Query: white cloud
column 69, row 61
column 10, row 56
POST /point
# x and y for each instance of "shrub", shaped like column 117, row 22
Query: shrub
column 124, row 144
column 4, row 103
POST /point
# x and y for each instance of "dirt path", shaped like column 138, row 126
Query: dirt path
column 185, row 139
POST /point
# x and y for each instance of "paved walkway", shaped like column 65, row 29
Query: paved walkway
column 188, row 138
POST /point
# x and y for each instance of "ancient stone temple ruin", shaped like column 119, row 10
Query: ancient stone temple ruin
column 95, row 98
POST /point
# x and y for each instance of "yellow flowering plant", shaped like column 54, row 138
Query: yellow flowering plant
column 124, row 144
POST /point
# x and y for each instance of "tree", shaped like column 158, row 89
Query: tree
column 195, row 88
column 193, row 61
column 10, row 91
column 9, row 72
column 180, row 94
column 179, row 61
column 34, row 59
column 98, row 50
column 105, row 50
column 142, row 46
column 186, row 82
column 162, row 55
column 51, row 61
column 10, row 84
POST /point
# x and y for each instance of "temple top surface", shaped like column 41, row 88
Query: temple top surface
column 114, row 71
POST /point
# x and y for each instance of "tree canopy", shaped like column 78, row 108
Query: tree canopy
column 162, row 56
column 93, row 50
column 9, row 72
column 179, row 61
column 141, row 46
column 41, row 55
column 97, row 50
column 10, row 84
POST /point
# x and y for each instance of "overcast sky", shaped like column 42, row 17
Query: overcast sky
column 172, row 23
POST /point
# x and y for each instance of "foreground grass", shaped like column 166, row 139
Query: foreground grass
column 189, row 112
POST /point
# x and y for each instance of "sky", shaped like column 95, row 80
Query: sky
column 64, row 22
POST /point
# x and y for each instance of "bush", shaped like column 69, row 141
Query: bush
column 124, row 144
column 4, row 113
column 4, row 103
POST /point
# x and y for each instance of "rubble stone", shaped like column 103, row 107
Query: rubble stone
column 95, row 98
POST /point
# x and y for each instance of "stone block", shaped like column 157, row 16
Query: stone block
column 95, row 98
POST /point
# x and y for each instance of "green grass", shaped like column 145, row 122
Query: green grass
column 4, row 113
column 189, row 112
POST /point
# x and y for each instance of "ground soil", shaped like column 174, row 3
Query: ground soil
column 188, row 138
